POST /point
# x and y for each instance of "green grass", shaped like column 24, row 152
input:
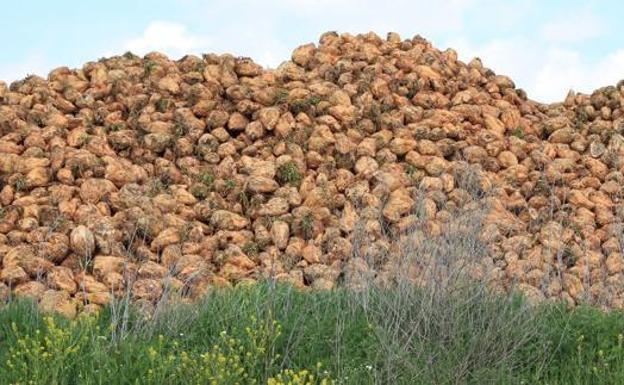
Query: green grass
column 255, row 334
column 288, row 173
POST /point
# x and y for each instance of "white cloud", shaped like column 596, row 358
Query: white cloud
column 546, row 72
column 171, row 38
column 566, row 69
column 573, row 27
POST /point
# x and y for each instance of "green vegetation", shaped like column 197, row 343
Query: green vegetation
column 207, row 179
column 302, row 105
column 268, row 334
column 307, row 226
column 230, row 184
column 518, row 133
column 251, row 249
column 180, row 129
column 20, row 183
column 280, row 96
column 114, row 127
column 288, row 173
column 163, row 104
column 148, row 67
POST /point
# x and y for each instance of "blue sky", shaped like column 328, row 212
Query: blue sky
column 547, row 47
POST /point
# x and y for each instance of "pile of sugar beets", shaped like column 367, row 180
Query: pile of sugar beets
column 139, row 176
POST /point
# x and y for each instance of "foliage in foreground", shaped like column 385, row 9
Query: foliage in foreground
column 277, row 335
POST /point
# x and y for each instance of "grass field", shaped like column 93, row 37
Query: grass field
column 268, row 334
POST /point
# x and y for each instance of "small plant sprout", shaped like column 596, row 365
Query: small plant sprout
column 288, row 173
column 20, row 183
column 280, row 96
column 148, row 67
column 307, row 226
column 230, row 184
column 207, row 179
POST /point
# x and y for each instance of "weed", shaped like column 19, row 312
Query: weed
column 542, row 187
column 193, row 96
column 207, row 179
column 568, row 257
column 180, row 129
column 302, row 105
column 251, row 249
column 314, row 100
column 307, row 226
column 298, row 106
column 84, row 139
column 230, row 184
column 37, row 119
column 148, row 67
column 243, row 198
column 412, row 92
column 155, row 186
column 468, row 177
column 85, row 262
column 346, row 161
column 288, row 173
column 20, row 183
column 162, row 104
column 518, row 133
column 580, row 119
column 299, row 136
column 199, row 191
column 184, row 231
column 114, row 127
column 280, row 96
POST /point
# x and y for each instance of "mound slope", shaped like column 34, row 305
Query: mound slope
column 137, row 175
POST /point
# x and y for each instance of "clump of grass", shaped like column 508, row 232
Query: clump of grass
column 518, row 133
column 148, row 67
column 180, row 129
column 251, row 249
column 156, row 186
column 307, row 226
column 580, row 119
column 230, row 184
column 114, row 127
column 163, row 104
column 84, row 139
column 199, row 191
column 302, row 105
column 20, row 183
column 207, row 179
column 280, row 96
column 245, row 199
column 288, row 173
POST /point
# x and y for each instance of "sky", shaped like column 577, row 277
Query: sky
column 546, row 46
